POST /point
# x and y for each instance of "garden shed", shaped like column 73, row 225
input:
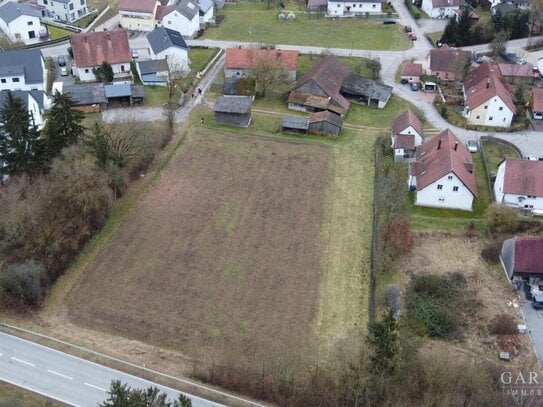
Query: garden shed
column 233, row 110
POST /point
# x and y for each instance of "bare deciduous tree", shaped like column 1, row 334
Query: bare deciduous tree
column 268, row 72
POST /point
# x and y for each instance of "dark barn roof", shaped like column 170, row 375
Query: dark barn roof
column 296, row 122
column 357, row 85
column 164, row 38
column 87, row 94
column 233, row 104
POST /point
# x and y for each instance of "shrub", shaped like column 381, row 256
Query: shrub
column 491, row 252
column 501, row 219
column 503, row 324
column 398, row 236
column 23, row 283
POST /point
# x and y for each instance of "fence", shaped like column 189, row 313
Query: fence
column 375, row 233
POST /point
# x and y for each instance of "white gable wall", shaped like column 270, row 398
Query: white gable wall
column 177, row 58
column 86, row 75
column 440, row 12
column 516, row 201
column 23, row 28
column 207, row 17
column 340, row 8
column 445, row 197
column 410, row 130
column 178, row 22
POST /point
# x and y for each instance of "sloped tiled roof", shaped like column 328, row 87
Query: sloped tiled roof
column 245, row 58
column 516, row 70
column 528, row 254
column 233, row 104
column 326, row 116
column 163, row 38
column 162, row 11
column 412, row 70
column 523, row 177
column 22, row 61
column 204, row 5
column 404, row 141
column 93, row 48
column 139, row 6
column 537, row 100
column 11, row 10
column 153, row 66
column 296, row 122
column 406, row 119
column 358, row 86
column 188, row 8
column 447, row 59
column 486, row 82
column 440, row 156
column 447, row 3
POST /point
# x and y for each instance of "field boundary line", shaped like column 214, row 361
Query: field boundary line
column 134, row 365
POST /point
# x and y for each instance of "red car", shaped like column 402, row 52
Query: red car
column 412, row 37
column 407, row 29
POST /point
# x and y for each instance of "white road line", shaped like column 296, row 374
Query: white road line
column 23, row 361
column 93, row 386
column 60, row 374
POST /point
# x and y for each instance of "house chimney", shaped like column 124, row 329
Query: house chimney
column 85, row 39
column 278, row 52
column 108, row 37
column 439, row 144
column 455, row 146
column 488, row 83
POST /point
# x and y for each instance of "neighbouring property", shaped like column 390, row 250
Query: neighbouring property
column 169, row 45
column 233, row 110
column 138, row 15
column 95, row 97
column 351, row 8
column 35, row 102
column 66, row 11
column 21, row 22
column 240, row 62
column 537, row 103
column 183, row 17
column 519, row 184
column 522, row 257
column 443, row 173
column 93, row 48
column 449, row 64
column 406, row 136
column 154, row 72
column 441, row 8
column 411, row 72
column 206, row 12
column 322, row 123
column 22, row 70
column 488, row 97
column 329, row 85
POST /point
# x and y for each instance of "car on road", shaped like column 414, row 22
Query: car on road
column 135, row 54
column 521, row 61
column 389, row 21
column 414, row 86
column 412, row 36
column 63, row 71
column 472, row 145
column 407, row 29
column 61, row 60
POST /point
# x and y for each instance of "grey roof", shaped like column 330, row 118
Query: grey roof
column 118, row 90
column 10, row 11
column 87, row 94
column 508, row 256
column 153, row 66
column 163, row 38
column 39, row 96
column 504, row 8
column 151, row 78
column 138, row 91
column 204, row 5
column 233, row 104
column 296, row 122
column 188, row 8
column 27, row 61
column 23, row 94
column 357, row 85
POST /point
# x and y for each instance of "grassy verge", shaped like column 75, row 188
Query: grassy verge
column 254, row 22
column 380, row 118
column 496, row 153
column 56, row 32
column 15, row 396
column 156, row 95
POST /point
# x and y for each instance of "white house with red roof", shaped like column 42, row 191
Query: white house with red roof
column 537, row 103
column 138, row 15
column 406, row 136
column 443, row 173
column 488, row 97
column 522, row 256
column 519, row 184
column 412, row 72
column 441, row 8
column 240, row 61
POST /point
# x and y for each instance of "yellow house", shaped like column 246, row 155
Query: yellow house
column 138, row 15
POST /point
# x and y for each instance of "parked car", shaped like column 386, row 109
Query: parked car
column 135, row 54
column 521, row 61
column 412, row 36
column 407, row 29
column 414, row 86
column 63, row 71
column 536, row 304
column 403, row 81
column 61, row 60
column 389, row 21
column 473, row 147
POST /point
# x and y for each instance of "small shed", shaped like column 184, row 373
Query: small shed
column 325, row 123
column 89, row 97
column 233, row 110
column 153, row 72
column 295, row 124
column 412, row 72
column 124, row 94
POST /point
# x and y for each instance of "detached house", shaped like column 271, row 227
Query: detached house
column 34, row 101
column 183, row 17
column 449, row 64
column 522, row 256
column 240, row 61
column 443, row 173
column 21, row 22
column 138, row 15
column 406, row 136
column 65, row 10
column 22, row 70
column 537, row 103
column 206, row 10
column 412, row 72
column 350, row 8
column 441, row 8
column 519, row 184
column 488, row 98
column 170, row 45
column 92, row 48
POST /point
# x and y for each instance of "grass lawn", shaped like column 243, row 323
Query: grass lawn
column 261, row 22
column 56, row 32
column 17, row 397
column 380, row 118
column 435, row 36
column 199, row 58
column 496, row 153
column 357, row 65
column 156, row 95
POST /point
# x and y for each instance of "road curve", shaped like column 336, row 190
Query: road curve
column 66, row 378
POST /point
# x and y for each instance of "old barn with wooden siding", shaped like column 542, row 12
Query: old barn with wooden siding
column 325, row 123
column 233, row 110
column 295, row 124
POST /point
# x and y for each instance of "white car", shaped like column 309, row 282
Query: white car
column 473, row 147
column 63, row 71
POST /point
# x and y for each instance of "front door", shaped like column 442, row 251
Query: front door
column 31, row 34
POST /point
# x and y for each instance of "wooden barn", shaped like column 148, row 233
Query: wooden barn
column 325, row 123
column 233, row 110
column 295, row 124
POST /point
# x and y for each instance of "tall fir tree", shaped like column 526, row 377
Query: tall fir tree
column 21, row 149
column 63, row 127
column 463, row 31
column 450, row 33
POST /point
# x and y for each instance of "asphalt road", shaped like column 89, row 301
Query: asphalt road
column 64, row 377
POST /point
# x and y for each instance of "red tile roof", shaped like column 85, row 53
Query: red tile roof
column 486, row 82
column 140, row 6
column 326, row 116
column 404, row 142
column 537, row 100
column 403, row 121
column 162, row 11
column 245, row 58
column 523, row 177
column 93, row 48
column 447, row 3
column 528, row 254
column 516, row 70
column 412, row 70
column 440, row 156
column 447, row 59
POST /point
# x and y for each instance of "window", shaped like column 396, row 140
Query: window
column 82, row 2
column 338, row 5
column 477, row 117
column 3, row 80
column 71, row 6
column 30, row 23
column 504, row 119
column 86, row 70
column 486, row 106
column 354, row 5
column 64, row 5
column 449, row 177
column 439, row 186
column 455, row 189
column 15, row 80
column 490, row 118
column 501, row 108
column 446, row 75
column 17, row 36
column 441, row 199
column 44, row 1
column 373, row 6
column 122, row 68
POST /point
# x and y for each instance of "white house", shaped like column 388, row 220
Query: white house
column 34, row 101
column 537, row 103
column 406, row 135
column 65, row 10
column 488, row 97
column 441, row 8
column 443, row 174
column 183, row 17
column 22, row 70
column 138, row 15
column 206, row 11
column 21, row 22
column 170, row 45
column 339, row 8
column 519, row 184
column 93, row 48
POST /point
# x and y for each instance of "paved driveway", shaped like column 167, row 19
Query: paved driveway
column 534, row 323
